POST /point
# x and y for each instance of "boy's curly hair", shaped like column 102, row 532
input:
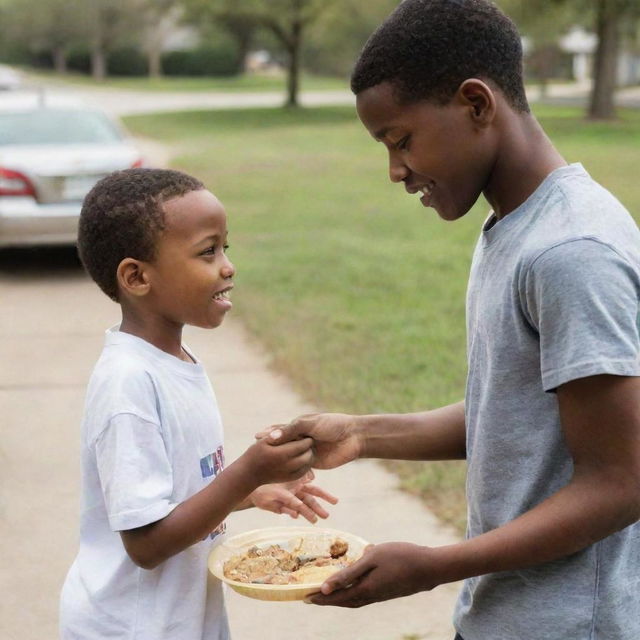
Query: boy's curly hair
column 122, row 217
column 427, row 48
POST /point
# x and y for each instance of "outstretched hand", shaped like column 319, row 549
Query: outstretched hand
column 385, row 571
column 294, row 498
column 335, row 440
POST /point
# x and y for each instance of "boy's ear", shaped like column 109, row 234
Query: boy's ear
column 480, row 99
column 133, row 278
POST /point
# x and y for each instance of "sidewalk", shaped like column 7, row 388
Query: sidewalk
column 51, row 332
column 370, row 506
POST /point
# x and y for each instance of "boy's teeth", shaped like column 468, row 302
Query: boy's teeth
column 222, row 294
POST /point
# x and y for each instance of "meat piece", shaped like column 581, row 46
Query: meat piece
column 338, row 548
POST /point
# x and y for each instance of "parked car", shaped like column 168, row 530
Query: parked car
column 52, row 151
column 9, row 78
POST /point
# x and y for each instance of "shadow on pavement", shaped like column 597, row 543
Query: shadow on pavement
column 35, row 263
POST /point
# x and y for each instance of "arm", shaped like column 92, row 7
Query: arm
column 340, row 438
column 429, row 435
column 601, row 422
column 193, row 519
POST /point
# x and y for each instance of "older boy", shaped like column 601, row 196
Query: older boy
column 155, row 490
column 550, row 426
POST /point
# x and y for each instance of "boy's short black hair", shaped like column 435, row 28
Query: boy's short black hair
column 427, row 48
column 122, row 217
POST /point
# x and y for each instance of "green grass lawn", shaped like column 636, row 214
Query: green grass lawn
column 241, row 83
column 355, row 289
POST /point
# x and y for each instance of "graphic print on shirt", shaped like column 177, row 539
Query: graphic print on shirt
column 210, row 466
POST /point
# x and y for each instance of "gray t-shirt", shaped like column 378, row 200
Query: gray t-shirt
column 553, row 296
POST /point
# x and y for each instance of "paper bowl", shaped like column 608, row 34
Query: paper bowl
column 314, row 540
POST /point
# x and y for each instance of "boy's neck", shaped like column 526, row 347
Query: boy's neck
column 526, row 158
column 161, row 334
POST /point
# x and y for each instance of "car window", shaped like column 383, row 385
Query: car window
column 56, row 126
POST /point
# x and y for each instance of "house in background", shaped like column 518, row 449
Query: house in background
column 581, row 45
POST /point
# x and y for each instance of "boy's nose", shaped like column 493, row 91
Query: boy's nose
column 228, row 270
column 397, row 170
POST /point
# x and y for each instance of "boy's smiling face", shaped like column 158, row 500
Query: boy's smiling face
column 191, row 276
column 443, row 152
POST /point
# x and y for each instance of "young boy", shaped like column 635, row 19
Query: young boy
column 155, row 489
column 550, row 426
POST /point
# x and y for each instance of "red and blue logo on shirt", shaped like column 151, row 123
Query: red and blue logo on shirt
column 210, row 466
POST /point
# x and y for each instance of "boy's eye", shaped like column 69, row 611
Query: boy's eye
column 210, row 251
column 401, row 145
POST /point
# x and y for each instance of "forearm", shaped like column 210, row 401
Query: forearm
column 430, row 435
column 192, row 520
column 587, row 510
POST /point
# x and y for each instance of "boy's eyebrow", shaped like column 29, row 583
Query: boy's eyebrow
column 380, row 134
column 208, row 238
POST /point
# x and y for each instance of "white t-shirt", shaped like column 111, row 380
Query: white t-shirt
column 151, row 438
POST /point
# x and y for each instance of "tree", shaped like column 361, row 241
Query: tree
column 336, row 39
column 160, row 19
column 52, row 26
column 606, row 18
column 610, row 17
column 110, row 22
column 287, row 20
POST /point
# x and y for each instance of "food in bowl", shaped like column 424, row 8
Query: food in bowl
column 275, row 565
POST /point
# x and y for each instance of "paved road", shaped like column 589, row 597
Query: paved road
column 124, row 102
column 50, row 335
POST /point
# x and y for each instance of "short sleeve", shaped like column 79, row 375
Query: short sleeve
column 582, row 297
column 135, row 472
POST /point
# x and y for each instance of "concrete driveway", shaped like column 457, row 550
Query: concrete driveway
column 51, row 332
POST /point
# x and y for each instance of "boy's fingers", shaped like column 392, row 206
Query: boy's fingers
column 309, row 476
column 316, row 507
column 301, row 508
column 343, row 579
column 265, row 433
column 298, row 446
column 314, row 490
column 281, row 433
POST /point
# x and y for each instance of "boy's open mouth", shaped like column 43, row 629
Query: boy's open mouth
column 425, row 193
column 425, row 190
column 222, row 295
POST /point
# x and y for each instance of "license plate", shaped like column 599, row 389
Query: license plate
column 77, row 187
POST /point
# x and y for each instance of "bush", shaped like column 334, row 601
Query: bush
column 127, row 61
column 203, row 61
column 38, row 59
column 79, row 59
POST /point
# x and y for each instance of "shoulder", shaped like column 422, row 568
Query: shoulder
column 586, row 269
column 122, row 382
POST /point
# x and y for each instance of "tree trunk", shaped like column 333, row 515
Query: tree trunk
column 98, row 64
column 243, row 40
column 60, row 60
column 154, row 61
column 602, row 105
column 293, row 77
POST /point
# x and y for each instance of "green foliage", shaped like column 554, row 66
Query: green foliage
column 127, row 61
column 336, row 39
column 79, row 59
column 203, row 61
